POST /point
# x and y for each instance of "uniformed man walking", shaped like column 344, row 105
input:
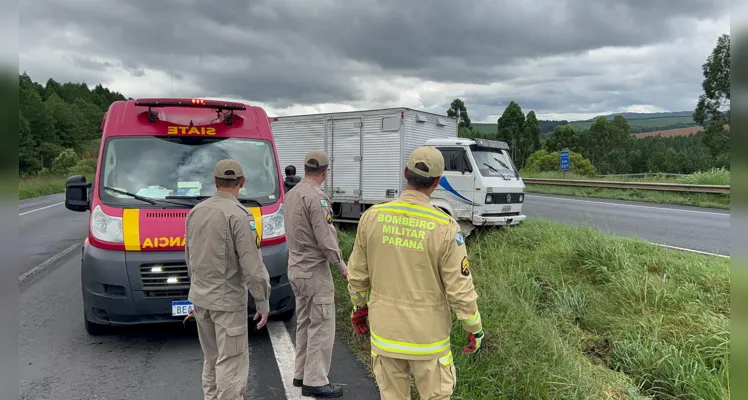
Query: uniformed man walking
column 224, row 261
column 409, row 260
column 312, row 247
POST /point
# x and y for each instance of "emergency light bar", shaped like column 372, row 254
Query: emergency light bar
column 192, row 103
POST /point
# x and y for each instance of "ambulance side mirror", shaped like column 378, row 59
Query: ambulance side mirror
column 76, row 194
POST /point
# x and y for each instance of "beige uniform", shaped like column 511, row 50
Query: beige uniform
column 224, row 261
column 312, row 247
column 410, row 260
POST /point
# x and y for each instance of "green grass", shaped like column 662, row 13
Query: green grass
column 40, row 186
column 572, row 313
column 46, row 184
column 715, row 176
column 708, row 200
column 659, row 178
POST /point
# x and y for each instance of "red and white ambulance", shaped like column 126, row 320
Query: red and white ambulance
column 155, row 163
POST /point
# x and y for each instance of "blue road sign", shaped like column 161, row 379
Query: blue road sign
column 565, row 161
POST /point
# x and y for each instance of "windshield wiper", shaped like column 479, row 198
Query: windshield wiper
column 145, row 199
column 495, row 170
column 251, row 201
column 201, row 198
column 516, row 174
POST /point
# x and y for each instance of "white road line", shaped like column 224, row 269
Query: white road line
column 47, row 263
column 629, row 205
column 689, row 250
column 39, row 209
column 285, row 357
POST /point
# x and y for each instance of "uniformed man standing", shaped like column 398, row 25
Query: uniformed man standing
column 409, row 260
column 224, row 261
column 312, row 247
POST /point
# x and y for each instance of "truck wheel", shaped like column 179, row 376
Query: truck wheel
column 94, row 329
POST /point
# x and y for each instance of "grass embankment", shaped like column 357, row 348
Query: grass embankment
column 572, row 313
column 53, row 183
column 711, row 200
column 40, row 186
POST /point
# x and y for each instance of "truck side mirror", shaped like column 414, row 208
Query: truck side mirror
column 76, row 194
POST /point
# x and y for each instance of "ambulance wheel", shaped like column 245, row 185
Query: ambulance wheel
column 285, row 315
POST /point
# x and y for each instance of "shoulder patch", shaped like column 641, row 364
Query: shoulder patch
column 252, row 225
column 258, row 241
column 460, row 239
column 323, row 203
column 329, row 218
column 465, row 266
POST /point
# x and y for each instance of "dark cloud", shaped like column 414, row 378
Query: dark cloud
column 286, row 52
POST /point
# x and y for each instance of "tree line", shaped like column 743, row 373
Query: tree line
column 57, row 117
column 609, row 144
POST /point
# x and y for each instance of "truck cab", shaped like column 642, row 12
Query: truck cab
column 481, row 185
column 155, row 163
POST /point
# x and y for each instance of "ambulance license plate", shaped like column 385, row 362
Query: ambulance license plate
column 506, row 209
column 181, row 308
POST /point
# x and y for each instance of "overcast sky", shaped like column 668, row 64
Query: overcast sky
column 567, row 59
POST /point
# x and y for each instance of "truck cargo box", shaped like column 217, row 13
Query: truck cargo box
column 367, row 149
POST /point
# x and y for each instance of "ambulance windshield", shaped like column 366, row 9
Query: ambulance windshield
column 157, row 167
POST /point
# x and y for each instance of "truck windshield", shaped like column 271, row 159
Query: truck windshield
column 156, row 167
column 494, row 162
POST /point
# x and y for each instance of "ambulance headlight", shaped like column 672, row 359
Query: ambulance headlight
column 272, row 224
column 106, row 228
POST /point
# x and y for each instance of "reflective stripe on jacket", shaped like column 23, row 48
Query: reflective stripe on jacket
column 409, row 263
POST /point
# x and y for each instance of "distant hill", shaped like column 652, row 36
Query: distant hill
column 630, row 116
column 639, row 122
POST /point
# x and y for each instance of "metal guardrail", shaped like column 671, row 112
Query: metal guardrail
column 668, row 187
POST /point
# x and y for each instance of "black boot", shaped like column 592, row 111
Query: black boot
column 327, row 391
column 298, row 382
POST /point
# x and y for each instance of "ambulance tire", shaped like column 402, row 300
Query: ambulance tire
column 285, row 316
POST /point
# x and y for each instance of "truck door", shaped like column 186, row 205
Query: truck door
column 344, row 149
column 457, row 185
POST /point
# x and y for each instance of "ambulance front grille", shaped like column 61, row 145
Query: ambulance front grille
column 164, row 280
column 166, row 214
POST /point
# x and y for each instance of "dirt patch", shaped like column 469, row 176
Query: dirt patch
column 691, row 130
column 599, row 350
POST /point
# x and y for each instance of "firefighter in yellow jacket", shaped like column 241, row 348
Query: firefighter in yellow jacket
column 408, row 267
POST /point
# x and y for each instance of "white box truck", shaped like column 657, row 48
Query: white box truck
column 368, row 150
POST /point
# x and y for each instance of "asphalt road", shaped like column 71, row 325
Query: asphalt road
column 701, row 229
column 59, row 361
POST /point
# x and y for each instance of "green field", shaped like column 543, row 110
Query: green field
column 645, row 123
column 709, row 200
column 571, row 313
column 40, row 186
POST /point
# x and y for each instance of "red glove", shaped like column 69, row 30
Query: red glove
column 475, row 342
column 360, row 320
